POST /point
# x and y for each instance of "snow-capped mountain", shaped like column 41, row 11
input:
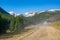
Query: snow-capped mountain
column 53, row 10
column 12, row 13
column 29, row 14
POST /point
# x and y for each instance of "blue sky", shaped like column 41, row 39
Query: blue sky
column 22, row 6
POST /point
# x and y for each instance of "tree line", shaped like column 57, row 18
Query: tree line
column 9, row 23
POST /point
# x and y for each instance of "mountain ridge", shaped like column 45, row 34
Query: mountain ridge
column 30, row 14
column 3, row 11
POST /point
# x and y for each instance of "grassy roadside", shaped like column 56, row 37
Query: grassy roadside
column 55, row 25
column 13, row 37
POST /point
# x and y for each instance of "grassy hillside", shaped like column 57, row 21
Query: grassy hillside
column 48, row 16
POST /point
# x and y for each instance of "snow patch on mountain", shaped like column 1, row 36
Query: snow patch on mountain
column 29, row 14
column 54, row 10
column 12, row 13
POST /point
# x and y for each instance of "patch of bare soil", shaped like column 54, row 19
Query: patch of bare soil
column 42, row 33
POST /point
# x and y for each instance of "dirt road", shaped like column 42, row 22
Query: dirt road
column 42, row 33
